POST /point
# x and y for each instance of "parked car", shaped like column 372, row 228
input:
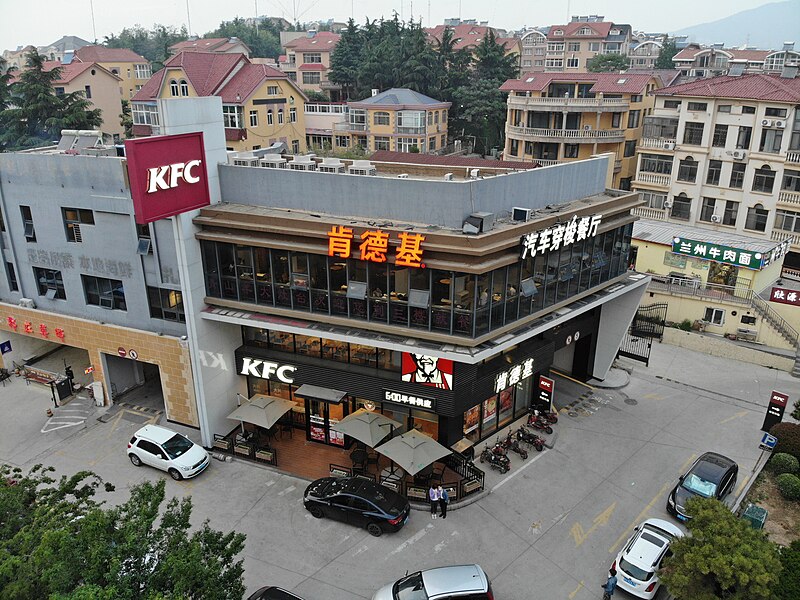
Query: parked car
column 272, row 593
column 711, row 476
column 357, row 501
column 167, row 450
column 638, row 562
column 444, row 583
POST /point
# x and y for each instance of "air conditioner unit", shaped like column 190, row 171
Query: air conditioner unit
column 766, row 122
column 474, row 173
column 667, row 203
column 587, row 127
column 716, row 218
column 780, row 124
column 448, row 177
column 669, row 146
column 403, row 176
column 521, row 214
column 27, row 303
column 739, row 154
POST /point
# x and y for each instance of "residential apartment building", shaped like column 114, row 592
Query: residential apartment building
column 308, row 60
column 133, row 69
column 570, row 46
column 260, row 105
column 709, row 61
column 65, row 46
column 397, row 119
column 555, row 118
column 643, row 55
column 232, row 45
column 534, row 47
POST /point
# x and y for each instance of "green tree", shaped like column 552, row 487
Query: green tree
column 58, row 541
column 607, row 63
column 492, row 62
column 153, row 43
column 668, row 50
column 795, row 408
column 346, row 59
column 126, row 118
column 6, row 75
column 722, row 558
column 788, row 587
column 482, row 110
column 263, row 41
column 418, row 62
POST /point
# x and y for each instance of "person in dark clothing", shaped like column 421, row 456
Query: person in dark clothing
column 610, row 585
column 444, row 500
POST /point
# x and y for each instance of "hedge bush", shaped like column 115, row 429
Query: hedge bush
column 781, row 463
column 788, row 435
column 789, row 486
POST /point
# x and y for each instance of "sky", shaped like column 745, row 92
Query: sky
column 41, row 22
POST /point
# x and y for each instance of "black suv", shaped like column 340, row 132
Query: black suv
column 357, row 501
column 711, row 476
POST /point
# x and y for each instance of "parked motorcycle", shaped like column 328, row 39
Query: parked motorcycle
column 496, row 458
column 550, row 416
column 530, row 438
column 512, row 444
column 537, row 422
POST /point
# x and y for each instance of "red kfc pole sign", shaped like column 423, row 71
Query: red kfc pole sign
column 167, row 175
column 546, row 388
column 777, row 404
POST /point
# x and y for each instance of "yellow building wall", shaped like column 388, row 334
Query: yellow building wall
column 126, row 71
column 177, row 75
column 263, row 135
column 105, row 96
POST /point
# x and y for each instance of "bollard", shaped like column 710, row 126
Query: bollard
column 49, row 412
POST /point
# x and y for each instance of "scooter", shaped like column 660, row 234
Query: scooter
column 550, row 416
column 537, row 422
column 511, row 444
column 496, row 458
column 530, row 438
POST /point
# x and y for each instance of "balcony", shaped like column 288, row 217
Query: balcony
column 580, row 136
column 653, row 179
column 411, row 130
column 789, row 198
column 347, row 126
column 657, row 143
column 780, row 236
column 654, row 214
column 793, row 157
column 569, row 104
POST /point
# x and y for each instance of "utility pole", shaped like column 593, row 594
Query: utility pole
column 188, row 18
column 94, row 29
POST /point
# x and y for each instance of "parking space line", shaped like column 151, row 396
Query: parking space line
column 741, row 485
column 647, row 508
column 736, row 416
column 576, row 590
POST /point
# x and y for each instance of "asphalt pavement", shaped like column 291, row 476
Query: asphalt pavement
column 548, row 529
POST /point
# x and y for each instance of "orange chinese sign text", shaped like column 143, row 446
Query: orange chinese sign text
column 374, row 246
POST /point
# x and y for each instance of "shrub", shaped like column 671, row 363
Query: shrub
column 788, row 587
column 781, row 463
column 686, row 325
column 789, row 486
column 788, row 435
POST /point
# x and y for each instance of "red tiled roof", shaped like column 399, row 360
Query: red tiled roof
column 323, row 41
column 750, row 55
column 312, row 67
column 72, row 70
column 570, row 30
column 201, row 45
column 606, row 83
column 757, row 86
column 508, row 42
column 448, row 161
column 688, row 54
column 103, row 54
column 246, row 81
column 205, row 70
column 465, row 36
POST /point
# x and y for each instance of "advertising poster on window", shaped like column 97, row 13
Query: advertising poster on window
column 335, row 437
column 317, row 428
column 472, row 419
column 427, row 370
column 506, row 403
column 489, row 410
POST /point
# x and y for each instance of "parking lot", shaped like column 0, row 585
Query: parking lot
column 549, row 529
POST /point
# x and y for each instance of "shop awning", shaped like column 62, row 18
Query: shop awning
column 365, row 426
column 316, row 392
column 261, row 410
column 413, row 451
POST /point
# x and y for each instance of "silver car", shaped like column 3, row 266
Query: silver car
column 467, row 581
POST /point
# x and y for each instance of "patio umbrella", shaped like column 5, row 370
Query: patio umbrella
column 413, row 451
column 365, row 426
column 263, row 411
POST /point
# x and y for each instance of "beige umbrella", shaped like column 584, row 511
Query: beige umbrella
column 365, row 426
column 263, row 411
column 413, row 451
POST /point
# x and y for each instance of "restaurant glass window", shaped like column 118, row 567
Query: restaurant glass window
column 512, row 292
column 363, row 355
column 338, row 278
column 278, row 340
column 464, row 299
column 608, row 248
column 584, row 254
column 263, row 270
column 299, row 280
column 482, row 310
column 522, row 395
column 497, row 297
column 426, row 422
column 489, row 416
column 389, row 360
column 253, row 336
column 539, row 268
column 419, row 298
column 505, row 411
column 211, row 268
column 244, row 274
column 318, row 279
column 472, row 423
column 527, row 288
column 334, row 350
column 307, row 345
column 398, row 296
column 336, row 412
column 357, row 289
column 441, row 300
column 548, row 277
column 378, row 292
column 280, row 270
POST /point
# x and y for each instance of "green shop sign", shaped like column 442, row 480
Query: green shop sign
column 719, row 253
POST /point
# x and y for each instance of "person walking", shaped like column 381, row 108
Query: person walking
column 610, row 584
column 444, row 500
column 433, row 494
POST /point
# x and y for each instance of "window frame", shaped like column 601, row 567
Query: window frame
column 717, row 315
column 53, row 281
column 104, row 289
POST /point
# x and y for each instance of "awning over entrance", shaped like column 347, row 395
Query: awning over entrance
column 316, row 392
column 261, row 410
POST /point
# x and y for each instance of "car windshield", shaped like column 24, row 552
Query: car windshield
column 177, row 445
column 410, row 588
column 635, row 571
column 698, row 485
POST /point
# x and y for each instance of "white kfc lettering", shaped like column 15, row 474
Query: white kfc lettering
column 170, row 176
column 283, row 372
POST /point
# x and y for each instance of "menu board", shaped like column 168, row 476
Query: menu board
column 472, row 419
column 317, row 428
column 334, row 436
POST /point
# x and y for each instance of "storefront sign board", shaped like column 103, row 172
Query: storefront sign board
column 775, row 409
column 738, row 257
column 267, row 370
column 411, row 400
column 427, row 370
column 785, row 296
column 167, row 175
column 513, row 375
column 560, row 235
column 546, row 388
column 374, row 246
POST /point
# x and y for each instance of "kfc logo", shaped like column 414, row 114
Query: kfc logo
column 167, row 177
column 428, row 370
column 266, row 369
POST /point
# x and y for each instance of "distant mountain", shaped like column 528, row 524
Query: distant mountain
column 766, row 27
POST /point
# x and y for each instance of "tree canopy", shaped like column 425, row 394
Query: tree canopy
column 607, row 63
column 153, row 43
column 263, row 40
column 668, row 50
column 722, row 558
column 58, row 541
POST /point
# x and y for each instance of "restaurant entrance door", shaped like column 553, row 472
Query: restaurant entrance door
column 321, row 416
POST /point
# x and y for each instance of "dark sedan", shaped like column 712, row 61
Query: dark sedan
column 357, row 501
column 273, row 593
column 711, row 476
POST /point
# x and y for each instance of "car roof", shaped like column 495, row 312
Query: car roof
column 712, row 466
column 273, row 593
column 380, row 495
column 156, row 434
column 460, row 578
column 650, row 542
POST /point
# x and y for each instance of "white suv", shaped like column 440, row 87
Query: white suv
column 164, row 449
column 638, row 562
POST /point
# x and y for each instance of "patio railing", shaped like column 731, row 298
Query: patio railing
column 471, row 476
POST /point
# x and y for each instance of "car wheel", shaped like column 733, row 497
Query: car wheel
column 374, row 529
column 135, row 460
column 175, row 474
column 315, row 511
